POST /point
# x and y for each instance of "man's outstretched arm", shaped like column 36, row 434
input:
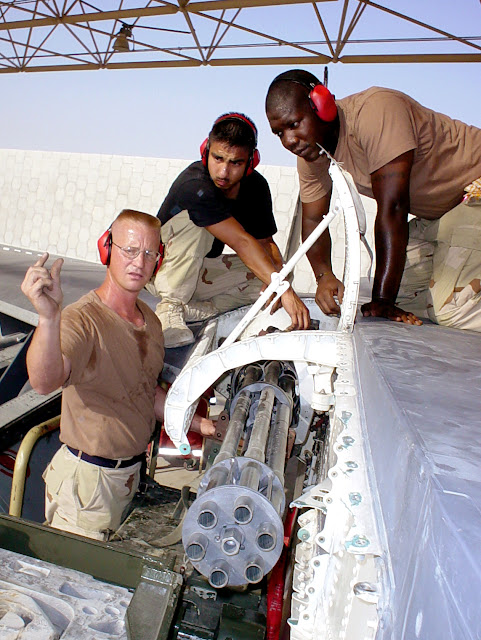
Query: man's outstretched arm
column 319, row 255
column 390, row 185
column 254, row 256
column 47, row 367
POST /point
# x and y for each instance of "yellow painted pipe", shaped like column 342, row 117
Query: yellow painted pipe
column 22, row 460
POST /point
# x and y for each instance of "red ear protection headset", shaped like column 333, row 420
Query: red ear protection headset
column 322, row 102
column 320, row 98
column 255, row 156
column 104, row 245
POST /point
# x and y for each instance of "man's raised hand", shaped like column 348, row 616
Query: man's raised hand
column 42, row 287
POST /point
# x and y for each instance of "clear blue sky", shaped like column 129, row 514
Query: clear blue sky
column 168, row 112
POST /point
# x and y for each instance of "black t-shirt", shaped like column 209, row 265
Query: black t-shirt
column 194, row 191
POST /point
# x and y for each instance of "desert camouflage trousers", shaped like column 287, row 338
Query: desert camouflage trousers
column 83, row 498
column 186, row 274
column 442, row 276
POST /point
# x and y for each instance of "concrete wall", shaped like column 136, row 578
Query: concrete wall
column 62, row 202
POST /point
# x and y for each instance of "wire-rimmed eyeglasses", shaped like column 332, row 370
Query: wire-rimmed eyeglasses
column 133, row 252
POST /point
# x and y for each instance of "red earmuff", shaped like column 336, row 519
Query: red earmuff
column 323, row 103
column 204, row 151
column 104, row 245
column 255, row 157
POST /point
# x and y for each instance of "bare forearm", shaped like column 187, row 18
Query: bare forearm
column 390, row 186
column 272, row 250
column 45, row 362
column 249, row 250
column 253, row 255
column 391, row 237
column 263, row 266
column 319, row 255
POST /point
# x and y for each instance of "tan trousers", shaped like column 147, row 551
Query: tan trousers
column 86, row 499
column 442, row 276
column 186, row 274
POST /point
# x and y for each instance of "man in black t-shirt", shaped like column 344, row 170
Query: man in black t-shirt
column 219, row 200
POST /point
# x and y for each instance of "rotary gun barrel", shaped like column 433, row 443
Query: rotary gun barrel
column 233, row 532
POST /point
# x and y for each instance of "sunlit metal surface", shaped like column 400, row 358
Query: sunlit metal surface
column 46, row 35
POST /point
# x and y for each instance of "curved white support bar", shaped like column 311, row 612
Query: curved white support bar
column 193, row 380
column 354, row 217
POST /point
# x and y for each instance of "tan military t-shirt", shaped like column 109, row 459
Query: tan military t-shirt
column 108, row 400
column 377, row 126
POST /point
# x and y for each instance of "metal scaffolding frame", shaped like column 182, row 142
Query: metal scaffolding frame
column 67, row 35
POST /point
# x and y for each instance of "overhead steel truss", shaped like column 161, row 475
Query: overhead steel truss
column 66, row 35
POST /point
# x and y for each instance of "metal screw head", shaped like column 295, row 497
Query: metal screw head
column 231, row 541
column 355, row 498
column 303, row 535
column 358, row 541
